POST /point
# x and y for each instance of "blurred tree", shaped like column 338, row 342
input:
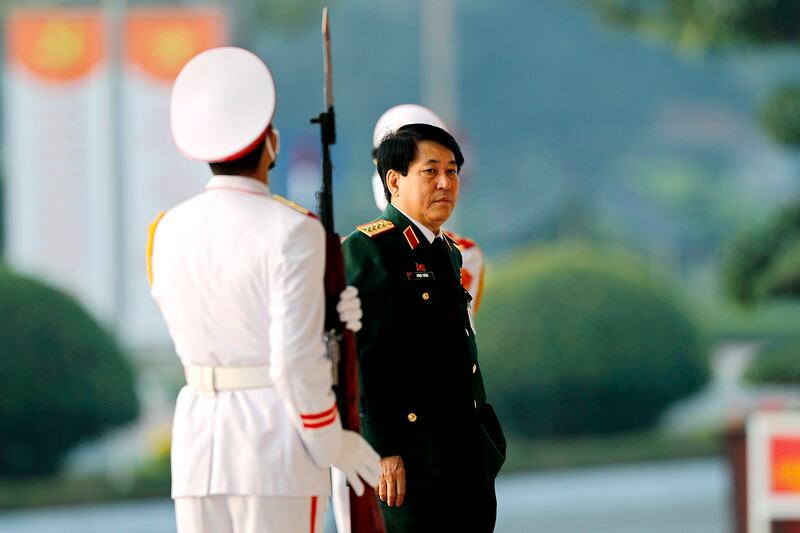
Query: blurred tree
column 778, row 364
column 576, row 340
column 708, row 23
column 764, row 262
column 250, row 18
column 63, row 377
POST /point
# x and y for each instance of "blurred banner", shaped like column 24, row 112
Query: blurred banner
column 58, row 153
column 90, row 159
column 158, row 42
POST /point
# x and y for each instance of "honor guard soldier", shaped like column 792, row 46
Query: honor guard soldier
column 472, row 270
column 238, row 276
column 424, row 404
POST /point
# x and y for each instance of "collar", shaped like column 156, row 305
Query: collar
column 426, row 232
column 238, row 183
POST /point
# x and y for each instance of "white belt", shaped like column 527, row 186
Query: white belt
column 210, row 379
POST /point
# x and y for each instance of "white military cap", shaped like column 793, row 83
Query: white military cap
column 223, row 102
column 391, row 121
column 400, row 115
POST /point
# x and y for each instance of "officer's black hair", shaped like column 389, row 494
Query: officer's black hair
column 243, row 166
column 398, row 149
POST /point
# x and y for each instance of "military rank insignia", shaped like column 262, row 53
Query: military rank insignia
column 376, row 227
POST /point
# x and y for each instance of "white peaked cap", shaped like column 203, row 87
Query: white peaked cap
column 223, row 102
column 400, row 115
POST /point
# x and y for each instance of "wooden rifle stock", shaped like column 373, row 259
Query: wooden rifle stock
column 365, row 517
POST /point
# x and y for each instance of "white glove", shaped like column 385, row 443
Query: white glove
column 358, row 461
column 349, row 308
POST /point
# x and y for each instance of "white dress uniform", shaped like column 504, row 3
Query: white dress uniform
column 238, row 277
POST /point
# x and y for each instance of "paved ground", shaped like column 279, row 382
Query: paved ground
column 685, row 496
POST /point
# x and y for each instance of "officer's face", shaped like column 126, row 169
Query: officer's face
column 429, row 191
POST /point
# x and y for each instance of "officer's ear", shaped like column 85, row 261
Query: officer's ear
column 393, row 182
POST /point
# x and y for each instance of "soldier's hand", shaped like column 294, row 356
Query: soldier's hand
column 349, row 308
column 357, row 461
column 392, row 483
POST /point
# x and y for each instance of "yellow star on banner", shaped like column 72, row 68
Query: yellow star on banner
column 172, row 48
column 59, row 45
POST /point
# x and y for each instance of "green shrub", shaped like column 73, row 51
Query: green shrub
column 778, row 364
column 577, row 341
column 764, row 261
column 64, row 379
column 780, row 114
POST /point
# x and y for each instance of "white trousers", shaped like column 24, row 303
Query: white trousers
column 251, row 514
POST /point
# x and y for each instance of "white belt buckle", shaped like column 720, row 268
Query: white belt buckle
column 207, row 380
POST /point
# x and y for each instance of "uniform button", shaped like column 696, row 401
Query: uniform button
column 412, row 417
column 475, row 403
column 426, row 296
column 474, row 368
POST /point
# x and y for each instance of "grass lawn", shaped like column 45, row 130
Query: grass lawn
column 522, row 455
column 581, row 452
column 71, row 491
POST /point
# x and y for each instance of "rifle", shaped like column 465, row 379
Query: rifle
column 365, row 517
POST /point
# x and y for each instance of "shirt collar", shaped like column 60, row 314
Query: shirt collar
column 238, row 183
column 429, row 235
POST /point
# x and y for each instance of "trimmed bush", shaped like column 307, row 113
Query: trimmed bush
column 764, row 262
column 778, row 364
column 64, row 379
column 578, row 341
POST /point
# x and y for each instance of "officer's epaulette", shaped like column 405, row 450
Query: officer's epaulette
column 297, row 207
column 376, row 227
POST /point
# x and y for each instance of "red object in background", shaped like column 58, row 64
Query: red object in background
column 784, row 453
column 736, row 453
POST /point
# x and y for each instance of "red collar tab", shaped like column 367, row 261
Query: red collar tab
column 411, row 237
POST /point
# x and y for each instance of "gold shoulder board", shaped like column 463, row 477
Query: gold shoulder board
column 151, row 237
column 297, row 207
column 376, row 227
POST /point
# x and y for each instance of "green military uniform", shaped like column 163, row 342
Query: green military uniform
column 423, row 394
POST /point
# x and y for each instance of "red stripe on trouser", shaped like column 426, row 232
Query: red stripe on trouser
column 313, row 513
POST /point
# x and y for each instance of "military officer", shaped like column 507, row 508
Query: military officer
column 238, row 276
column 472, row 270
column 424, row 404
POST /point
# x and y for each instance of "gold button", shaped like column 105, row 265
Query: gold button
column 426, row 296
column 412, row 417
column 474, row 368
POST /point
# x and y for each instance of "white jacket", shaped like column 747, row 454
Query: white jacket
column 238, row 277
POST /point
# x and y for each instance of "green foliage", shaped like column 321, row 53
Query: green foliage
column 780, row 114
column 779, row 364
column 765, row 261
column 64, row 379
column 578, row 341
column 708, row 23
column 288, row 13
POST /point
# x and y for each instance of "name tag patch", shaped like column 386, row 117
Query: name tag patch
column 420, row 276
